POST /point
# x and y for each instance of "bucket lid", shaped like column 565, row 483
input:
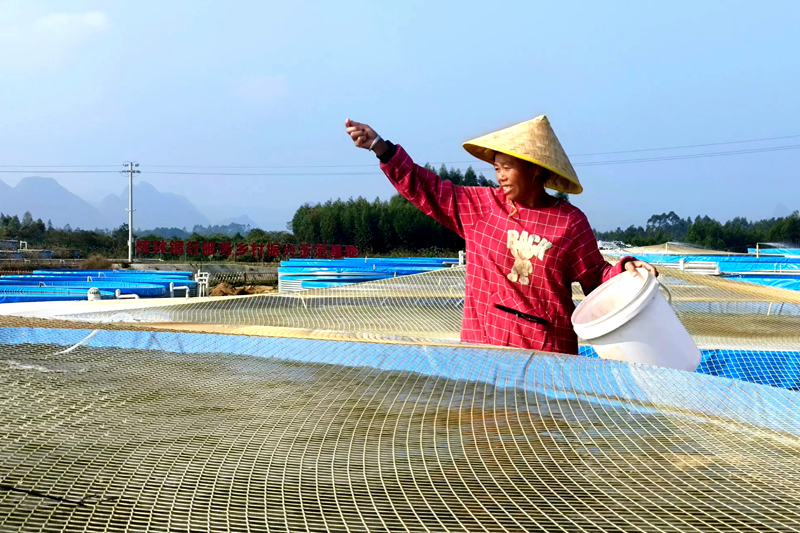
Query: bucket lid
column 613, row 304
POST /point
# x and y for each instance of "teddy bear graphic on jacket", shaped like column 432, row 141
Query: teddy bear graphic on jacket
column 524, row 247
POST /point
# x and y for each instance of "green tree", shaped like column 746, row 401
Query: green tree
column 786, row 229
column 27, row 220
column 120, row 236
column 470, row 178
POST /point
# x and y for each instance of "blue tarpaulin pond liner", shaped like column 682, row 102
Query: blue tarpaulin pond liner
column 297, row 274
column 131, row 275
column 786, row 281
column 100, row 273
column 11, row 288
column 317, row 279
column 773, row 368
column 369, row 271
column 122, row 277
column 728, row 264
column 317, row 283
column 122, row 282
column 148, row 290
column 146, row 284
column 22, row 293
column 356, row 408
column 26, row 297
column 369, row 261
column 775, row 251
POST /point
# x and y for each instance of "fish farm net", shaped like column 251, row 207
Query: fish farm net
column 356, row 409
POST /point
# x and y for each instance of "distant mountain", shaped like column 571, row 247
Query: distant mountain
column 153, row 209
column 781, row 211
column 244, row 220
column 113, row 208
column 48, row 200
column 45, row 198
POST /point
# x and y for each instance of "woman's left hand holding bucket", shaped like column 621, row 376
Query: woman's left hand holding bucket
column 632, row 266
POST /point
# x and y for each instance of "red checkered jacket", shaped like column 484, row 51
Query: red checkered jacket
column 557, row 248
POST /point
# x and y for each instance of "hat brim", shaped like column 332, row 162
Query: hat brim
column 557, row 181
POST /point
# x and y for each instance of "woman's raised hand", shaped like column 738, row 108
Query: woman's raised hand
column 361, row 134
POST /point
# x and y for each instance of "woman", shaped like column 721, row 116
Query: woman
column 525, row 248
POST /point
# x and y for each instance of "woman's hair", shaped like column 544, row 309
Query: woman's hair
column 542, row 175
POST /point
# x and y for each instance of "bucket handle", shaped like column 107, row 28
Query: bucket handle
column 669, row 294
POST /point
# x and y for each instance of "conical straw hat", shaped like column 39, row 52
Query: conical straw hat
column 533, row 141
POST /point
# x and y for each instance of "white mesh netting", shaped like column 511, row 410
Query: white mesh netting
column 356, row 409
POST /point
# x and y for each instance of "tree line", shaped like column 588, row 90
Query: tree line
column 735, row 235
column 394, row 227
column 65, row 242
column 68, row 243
column 206, row 232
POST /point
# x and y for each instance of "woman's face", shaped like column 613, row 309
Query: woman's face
column 515, row 176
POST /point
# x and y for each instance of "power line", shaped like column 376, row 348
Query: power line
column 690, row 156
column 687, row 146
column 266, row 173
column 673, row 157
column 582, row 164
column 471, row 162
column 58, row 171
column 763, row 139
column 258, row 166
column 58, row 166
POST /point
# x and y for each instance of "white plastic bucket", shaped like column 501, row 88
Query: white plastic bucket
column 628, row 319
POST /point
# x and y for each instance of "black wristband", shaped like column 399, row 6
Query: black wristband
column 387, row 156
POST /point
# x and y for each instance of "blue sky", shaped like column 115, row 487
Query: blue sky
column 271, row 83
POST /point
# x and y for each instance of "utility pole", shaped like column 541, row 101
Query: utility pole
column 130, row 170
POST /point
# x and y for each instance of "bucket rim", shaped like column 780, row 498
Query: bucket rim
column 644, row 291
